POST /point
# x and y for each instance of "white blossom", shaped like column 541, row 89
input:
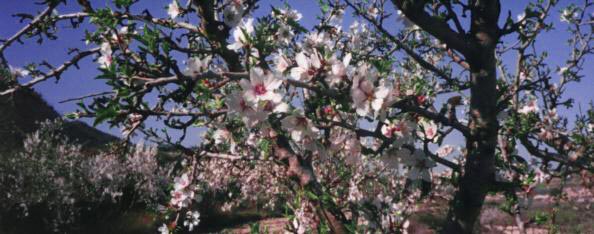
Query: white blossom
column 182, row 193
column 261, row 86
column 316, row 40
column 563, row 70
column 246, row 110
column 285, row 34
column 291, row 14
column 360, row 36
column 428, row 130
column 163, row 229
column 196, row 66
column 530, row 107
column 418, row 163
column 397, row 128
column 338, row 71
column 366, row 97
column 192, row 220
column 568, row 15
column 521, row 16
column 224, row 136
column 105, row 59
column 18, row 72
column 173, row 9
column 299, row 127
column 281, row 62
column 307, row 66
column 241, row 34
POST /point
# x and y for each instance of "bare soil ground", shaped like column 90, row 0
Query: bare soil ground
column 575, row 214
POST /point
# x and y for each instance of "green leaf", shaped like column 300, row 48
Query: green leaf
column 311, row 195
column 255, row 228
column 264, row 146
column 104, row 114
column 109, row 73
column 123, row 3
column 71, row 116
column 324, row 6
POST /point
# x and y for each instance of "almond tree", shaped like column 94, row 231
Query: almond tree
column 349, row 113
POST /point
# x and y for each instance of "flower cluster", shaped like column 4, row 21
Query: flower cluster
column 182, row 193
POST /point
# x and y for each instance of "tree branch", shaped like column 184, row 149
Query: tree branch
column 416, row 57
column 56, row 72
column 414, row 11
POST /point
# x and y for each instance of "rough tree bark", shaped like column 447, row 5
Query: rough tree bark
column 478, row 47
column 479, row 170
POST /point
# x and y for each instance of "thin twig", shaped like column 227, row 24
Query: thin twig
column 87, row 96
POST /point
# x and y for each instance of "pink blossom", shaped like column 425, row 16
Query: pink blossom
column 428, row 130
column 246, row 110
column 106, row 58
column 181, row 182
column 280, row 61
column 367, row 97
column 400, row 128
column 307, row 67
column 338, row 71
column 261, row 86
column 530, row 107
column 445, row 150
column 299, row 127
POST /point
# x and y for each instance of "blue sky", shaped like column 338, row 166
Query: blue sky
column 76, row 83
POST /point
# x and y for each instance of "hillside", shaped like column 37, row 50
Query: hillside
column 21, row 113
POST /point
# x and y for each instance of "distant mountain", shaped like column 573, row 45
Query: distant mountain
column 21, row 113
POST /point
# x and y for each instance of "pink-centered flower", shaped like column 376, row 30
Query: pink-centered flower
column 397, row 128
column 106, row 59
column 245, row 109
column 307, row 66
column 299, row 126
column 313, row 41
column 367, row 97
column 182, row 193
column 428, row 130
column 261, row 86
column 181, row 198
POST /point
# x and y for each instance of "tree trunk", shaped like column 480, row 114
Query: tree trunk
column 479, row 169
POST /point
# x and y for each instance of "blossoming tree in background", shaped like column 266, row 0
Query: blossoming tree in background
column 342, row 124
